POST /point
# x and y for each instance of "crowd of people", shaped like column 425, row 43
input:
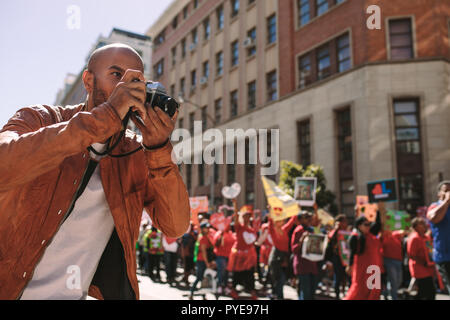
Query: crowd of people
column 413, row 263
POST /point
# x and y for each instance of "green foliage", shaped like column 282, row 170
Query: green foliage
column 290, row 170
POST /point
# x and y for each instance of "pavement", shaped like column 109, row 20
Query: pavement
column 150, row 290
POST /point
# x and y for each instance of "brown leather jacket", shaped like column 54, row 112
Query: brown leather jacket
column 43, row 157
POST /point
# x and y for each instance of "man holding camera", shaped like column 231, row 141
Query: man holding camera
column 70, row 208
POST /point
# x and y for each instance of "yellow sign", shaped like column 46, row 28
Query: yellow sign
column 282, row 205
column 325, row 217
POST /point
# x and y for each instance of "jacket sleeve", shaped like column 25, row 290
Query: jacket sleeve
column 26, row 142
column 295, row 241
column 167, row 199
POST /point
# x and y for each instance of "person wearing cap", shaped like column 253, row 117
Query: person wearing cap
column 304, row 269
column 279, row 254
column 365, row 252
column 421, row 267
column 439, row 216
column 243, row 258
column 203, row 260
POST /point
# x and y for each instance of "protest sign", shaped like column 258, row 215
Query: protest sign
column 383, row 190
column 397, row 220
column 231, row 192
column 198, row 205
column 344, row 247
column 305, row 191
column 325, row 218
column 219, row 221
column 366, row 209
column 314, row 246
column 282, row 205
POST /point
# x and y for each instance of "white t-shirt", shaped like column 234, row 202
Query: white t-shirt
column 68, row 265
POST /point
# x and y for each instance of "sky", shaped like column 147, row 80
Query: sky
column 41, row 42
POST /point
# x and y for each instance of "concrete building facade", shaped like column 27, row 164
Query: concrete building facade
column 365, row 104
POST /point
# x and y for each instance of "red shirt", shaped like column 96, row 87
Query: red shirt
column 392, row 245
column 228, row 240
column 302, row 266
column 204, row 240
column 244, row 234
column 420, row 265
column 281, row 241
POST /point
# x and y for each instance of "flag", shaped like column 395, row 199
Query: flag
column 277, row 198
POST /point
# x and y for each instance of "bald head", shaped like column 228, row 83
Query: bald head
column 113, row 50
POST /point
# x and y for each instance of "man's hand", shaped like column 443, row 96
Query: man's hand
column 129, row 93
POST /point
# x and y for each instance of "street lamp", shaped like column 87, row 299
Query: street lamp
column 181, row 99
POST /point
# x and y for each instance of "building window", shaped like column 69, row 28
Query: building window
column 234, row 8
column 251, row 90
column 201, row 174
column 206, row 69
column 181, row 123
column 409, row 154
column 193, row 79
column 343, row 53
column 174, row 56
column 218, row 110
column 250, row 2
column 216, row 175
column 234, row 103
column 182, row 83
column 204, row 118
column 160, row 38
column 183, row 48
column 195, row 4
column 219, row 63
column 272, row 86
column 304, row 70
column 271, row 29
column 234, row 53
column 251, row 42
column 249, row 175
column 400, row 39
column 206, row 29
column 159, row 69
column 175, row 22
column 323, row 62
column 304, row 142
column 303, row 12
column 321, row 7
column 345, row 161
column 194, row 36
column 191, row 122
column 188, row 177
column 231, row 174
column 185, row 12
column 220, row 18
column 172, row 90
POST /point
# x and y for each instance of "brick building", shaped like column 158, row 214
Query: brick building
column 365, row 104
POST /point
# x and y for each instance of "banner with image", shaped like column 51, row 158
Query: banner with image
column 198, row 205
column 314, row 247
column 305, row 191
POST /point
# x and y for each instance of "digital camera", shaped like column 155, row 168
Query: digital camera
column 157, row 97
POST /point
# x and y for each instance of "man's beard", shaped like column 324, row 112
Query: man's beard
column 98, row 95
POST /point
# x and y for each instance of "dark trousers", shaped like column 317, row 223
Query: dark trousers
column 201, row 268
column 339, row 275
column 245, row 278
column 278, row 273
column 426, row 289
column 444, row 270
column 170, row 263
column 154, row 261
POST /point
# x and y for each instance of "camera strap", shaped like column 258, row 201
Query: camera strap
column 87, row 176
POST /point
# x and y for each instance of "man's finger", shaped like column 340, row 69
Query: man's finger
column 164, row 117
column 131, row 75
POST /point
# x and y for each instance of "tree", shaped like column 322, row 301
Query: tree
column 289, row 171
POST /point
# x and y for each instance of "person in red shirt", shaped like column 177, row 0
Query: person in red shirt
column 265, row 244
column 304, row 269
column 279, row 255
column 223, row 242
column 393, row 258
column 420, row 265
column 366, row 251
column 242, row 259
column 203, row 261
